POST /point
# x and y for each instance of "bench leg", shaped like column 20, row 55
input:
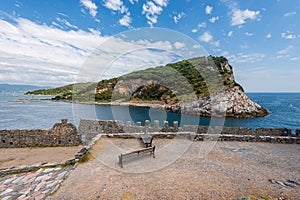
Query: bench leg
column 120, row 161
column 153, row 152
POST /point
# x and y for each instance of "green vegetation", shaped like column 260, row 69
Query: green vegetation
column 170, row 83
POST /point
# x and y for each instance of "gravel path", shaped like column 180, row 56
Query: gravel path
column 229, row 171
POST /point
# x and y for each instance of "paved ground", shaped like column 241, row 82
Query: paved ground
column 37, row 184
column 32, row 185
column 229, row 171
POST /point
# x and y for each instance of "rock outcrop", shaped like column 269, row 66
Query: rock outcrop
column 230, row 103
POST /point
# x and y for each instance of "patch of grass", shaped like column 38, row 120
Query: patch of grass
column 127, row 196
column 99, row 146
column 86, row 158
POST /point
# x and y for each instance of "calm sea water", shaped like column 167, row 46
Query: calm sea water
column 284, row 111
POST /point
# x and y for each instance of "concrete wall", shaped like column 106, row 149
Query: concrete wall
column 61, row 134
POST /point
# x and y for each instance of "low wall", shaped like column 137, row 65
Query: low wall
column 61, row 134
column 119, row 129
column 94, row 127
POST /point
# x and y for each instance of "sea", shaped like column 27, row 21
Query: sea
column 18, row 111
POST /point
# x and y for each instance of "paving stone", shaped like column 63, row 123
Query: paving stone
column 6, row 198
column 17, row 180
column 25, row 191
column 21, row 197
column 51, row 169
column 39, row 186
column 39, row 178
column 40, row 170
column 9, row 180
column 6, row 191
column 50, row 185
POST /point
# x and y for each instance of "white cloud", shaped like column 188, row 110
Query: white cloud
column 196, row 46
column 225, row 53
column 208, row 10
column 249, row 34
column 178, row 17
column 179, row 45
column 162, row 3
column 285, row 51
column 95, row 32
column 230, row 33
column 216, row 44
column 268, row 36
column 213, row 19
column 32, row 53
column 200, row 25
column 205, row 37
column 115, row 5
column 288, row 35
column 246, row 58
column 239, row 17
column 244, row 46
column 118, row 5
column 88, row 4
column 39, row 54
column 152, row 10
column 133, row 1
column 125, row 21
column 289, row 14
column 295, row 58
column 66, row 23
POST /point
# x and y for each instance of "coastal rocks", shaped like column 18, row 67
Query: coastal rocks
column 230, row 103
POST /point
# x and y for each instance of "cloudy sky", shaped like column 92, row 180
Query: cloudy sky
column 48, row 42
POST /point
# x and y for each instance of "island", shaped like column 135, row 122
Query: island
column 202, row 86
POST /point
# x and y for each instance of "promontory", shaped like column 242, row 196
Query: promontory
column 202, row 86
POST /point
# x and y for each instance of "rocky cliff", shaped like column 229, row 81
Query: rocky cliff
column 232, row 102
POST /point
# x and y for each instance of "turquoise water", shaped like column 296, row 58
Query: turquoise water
column 283, row 107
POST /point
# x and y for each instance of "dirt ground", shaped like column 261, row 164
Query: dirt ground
column 12, row 157
column 230, row 170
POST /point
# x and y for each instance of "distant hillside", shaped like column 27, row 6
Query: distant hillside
column 10, row 88
column 190, row 86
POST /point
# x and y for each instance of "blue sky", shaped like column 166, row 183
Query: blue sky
column 47, row 42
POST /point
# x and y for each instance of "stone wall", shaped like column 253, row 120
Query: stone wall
column 94, row 127
column 61, row 134
column 119, row 129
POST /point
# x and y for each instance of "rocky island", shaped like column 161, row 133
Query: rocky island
column 202, row 86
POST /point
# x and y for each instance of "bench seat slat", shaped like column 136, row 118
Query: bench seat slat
column 127, row 155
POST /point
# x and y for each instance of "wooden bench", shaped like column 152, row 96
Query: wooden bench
column 147, row 139
column 127, row 156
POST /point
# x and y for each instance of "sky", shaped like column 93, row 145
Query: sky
column 50, row 42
